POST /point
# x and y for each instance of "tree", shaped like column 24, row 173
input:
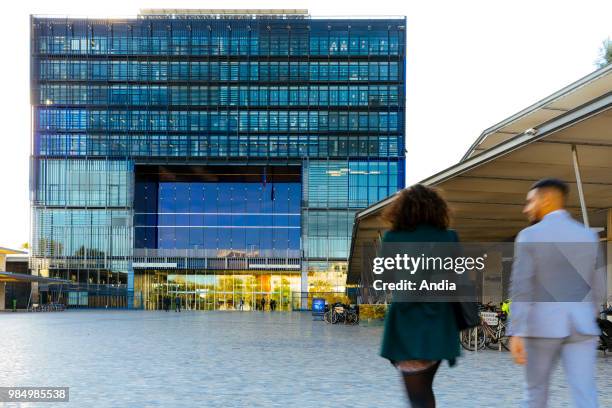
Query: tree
column 320, row 286
column 90, row 253
column 605, row 54
column 49, row 247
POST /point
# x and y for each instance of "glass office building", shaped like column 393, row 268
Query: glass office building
column 209, row 155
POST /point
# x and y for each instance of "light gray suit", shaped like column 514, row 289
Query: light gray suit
column 556, row 291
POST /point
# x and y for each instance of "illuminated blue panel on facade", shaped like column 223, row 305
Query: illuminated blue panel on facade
column 218, row 216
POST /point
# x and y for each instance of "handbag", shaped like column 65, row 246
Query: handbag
column 466, row 315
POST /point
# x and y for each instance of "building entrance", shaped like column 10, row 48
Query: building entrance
column 216, row 290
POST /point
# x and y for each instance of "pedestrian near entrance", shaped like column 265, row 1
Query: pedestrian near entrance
column 241, row 304
column 177, row 304
column 545, row 330
column 263, row 304
column 418, row 335
column 167, row 303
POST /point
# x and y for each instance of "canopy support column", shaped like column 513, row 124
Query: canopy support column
column 585, row 215
column 2, row 284
column 609, row 255
column 2, row 295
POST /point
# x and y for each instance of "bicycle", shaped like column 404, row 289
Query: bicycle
column 491, row 333
column 352, row 317
column 473, row 339
column 495, row 335
column 330, row 316
column 340, row 313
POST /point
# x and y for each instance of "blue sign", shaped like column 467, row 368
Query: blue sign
column 318, row 306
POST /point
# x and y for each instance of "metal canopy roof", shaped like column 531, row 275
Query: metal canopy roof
column 7, row 251
column 576, row 94
column 486, row 191
column 22, row 277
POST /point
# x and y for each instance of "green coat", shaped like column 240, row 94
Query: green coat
column 415, row 331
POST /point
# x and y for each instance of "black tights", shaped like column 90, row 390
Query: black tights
column 419, row 387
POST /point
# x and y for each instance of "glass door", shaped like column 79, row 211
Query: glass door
column 224, row 293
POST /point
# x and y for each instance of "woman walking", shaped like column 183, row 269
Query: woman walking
column 419, row 335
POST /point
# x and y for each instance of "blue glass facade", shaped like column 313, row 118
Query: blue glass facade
column 245, row 136
column 221, row 215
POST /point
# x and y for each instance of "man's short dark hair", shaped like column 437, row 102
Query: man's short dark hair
column 552, row 183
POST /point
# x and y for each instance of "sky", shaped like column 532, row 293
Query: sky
column 470, row 65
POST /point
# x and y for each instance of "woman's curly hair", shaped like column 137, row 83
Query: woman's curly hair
column 417, row 205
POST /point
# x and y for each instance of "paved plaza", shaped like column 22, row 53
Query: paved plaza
column 237, row 359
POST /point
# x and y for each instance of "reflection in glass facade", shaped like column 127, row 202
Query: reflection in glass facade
column 175, row 154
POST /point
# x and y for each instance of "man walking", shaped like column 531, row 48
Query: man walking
column 556, row 293
column 177, row 304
